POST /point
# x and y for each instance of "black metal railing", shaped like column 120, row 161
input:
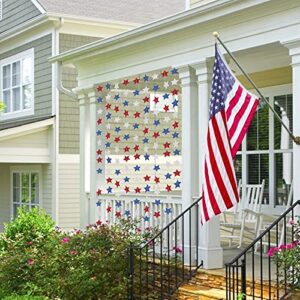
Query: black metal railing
column 254, row 274
column 160, row 265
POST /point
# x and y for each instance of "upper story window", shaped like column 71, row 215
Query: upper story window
column 17, row 85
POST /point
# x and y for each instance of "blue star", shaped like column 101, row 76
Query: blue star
column 166, row 96
column 108, row 160
column 137, row 168
column 146, row 109
column 145, row 140
column 168, row 176
column 147, row 156
column 127, row 213
column 175, row 103
column 146, row 78
column 156, row 168
column 117, row 129
column 147, row 188
column 117, row 172
column 125, row 103
column 98, row 203
column 135, row 126
column 156, row 122
column 108, row 116
column 168, row 210
column 99, row 171
column 155, row 87
column 136, row 201
column 146, row 218
column 136, row 92
column 117, row 97
column 166, row 131
column 100, row 100
column 109, row 190
column 108, row 86
column 174, row 71
column 118, row 203
column 99, row 132
column 175, row 135
column 126, row 179
column 126, row 137
column 157, row 202
column 177, row 184
column 107, row 145
column 176, row 152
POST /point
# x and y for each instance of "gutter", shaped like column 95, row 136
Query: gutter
column 59, row 83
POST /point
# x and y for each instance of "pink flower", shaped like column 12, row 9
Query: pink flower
column 73, row 252
column 282, row 247
column 30, row 262
column 65, row 240
column 29, row 243
column 177, row 249
column 289, row 246
column 292, row 222
column 271, row 252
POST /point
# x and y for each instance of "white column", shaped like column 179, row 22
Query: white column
column 294, row 50
column 210, row 250
column 190, row 171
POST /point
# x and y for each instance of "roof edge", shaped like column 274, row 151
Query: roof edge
column 39, row 6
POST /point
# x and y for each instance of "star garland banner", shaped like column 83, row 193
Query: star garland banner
column 139, row 137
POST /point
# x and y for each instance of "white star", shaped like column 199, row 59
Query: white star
column 155, row 111
column 100, row 111
column 99, row 143
column 146, row 148
column 117, row 119
column 126, row 92
column 157, row 191
column 126, row 125
column 116, row 86
column 155, row 146
column 107, row 152
column 155, row 76
column 175, row 144
column 174, row 81
column 136, row 103
column 166, row 84
column 107, row 97
column 146, row 90
column 146, row 121
column 136, row 138
column 167, row 119
column 117, row 150
column 108, row 126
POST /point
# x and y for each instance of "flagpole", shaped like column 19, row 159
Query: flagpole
column 296, row 139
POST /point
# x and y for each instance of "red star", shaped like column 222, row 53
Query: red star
column 99, row 122
column 156, row 135
column 107, row 136
column 98, row 223
column 146, row 130
column 137, row 156
column 108, row 106
column 136, row 148
column 125, row 81
column 116, row 109
column 175, row 92
column 146, row 209
column 99, row 160
column 99, row 192
column 164, row 74
column 126, row 113
column 168, row 188
column 99, row 88
column 117, row 183
column 167, row 145
column 126, row 149
column 167, row 153
column 156, row 100
column 109, row 180
column 136, row 114
column 157, row 180
column 137, row 190
column 117, row 139
column 99, row 151
column 157, row 214
column 108, row 209
column 147, row 178
column 126, row 189
column 175, row 124
column 146, row 100
column 166, row 108
column 136, row 81
column 118, row 214
column 126, row 158
column 177, row 173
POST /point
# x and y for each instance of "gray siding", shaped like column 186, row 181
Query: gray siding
column 68, row 107
column 42, row 78
column 16, row 12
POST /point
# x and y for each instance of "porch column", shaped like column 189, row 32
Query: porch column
column 294, row 50
column 210, row 250
column 190, row 172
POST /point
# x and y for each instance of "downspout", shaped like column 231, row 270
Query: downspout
column 59, row 83
column 187, row 4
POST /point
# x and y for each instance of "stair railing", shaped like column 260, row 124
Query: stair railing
column 253, row 274
column 160, row 265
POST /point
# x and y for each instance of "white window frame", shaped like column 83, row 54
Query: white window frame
column 270, row 93
column 9, row 61
column 1, row 10
column 25, row 169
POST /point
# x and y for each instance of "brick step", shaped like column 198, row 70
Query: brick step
column 192, row 292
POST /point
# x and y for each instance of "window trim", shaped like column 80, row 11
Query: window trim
column 23, row 169
column 11, row 60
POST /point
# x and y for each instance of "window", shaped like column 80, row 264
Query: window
column 17, row 82
column 25, row 189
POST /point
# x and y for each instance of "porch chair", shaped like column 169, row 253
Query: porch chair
column 246, row 216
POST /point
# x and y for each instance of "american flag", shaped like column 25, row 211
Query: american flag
column 232, row 108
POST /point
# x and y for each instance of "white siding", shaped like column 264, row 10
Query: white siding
column 4, row 194
column 47, row 188
column 69, row 195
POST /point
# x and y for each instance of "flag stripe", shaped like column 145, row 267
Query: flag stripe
column 234, row 102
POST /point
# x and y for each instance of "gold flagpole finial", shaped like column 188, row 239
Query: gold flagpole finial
column 216, row 34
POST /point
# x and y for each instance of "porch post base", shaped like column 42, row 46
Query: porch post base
column 190, row 253
column 212, row 257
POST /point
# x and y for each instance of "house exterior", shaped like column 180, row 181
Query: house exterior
column 39, row 128
column 174, row 57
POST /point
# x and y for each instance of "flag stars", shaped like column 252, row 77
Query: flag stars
column 125, row 82
column 136, row 115
column 157, row 214
column 168, row 188
column 155, row 87
column 118, row 172
column 177, row 184
column 147, row 178
column 156, row 179
column 164, row 73
column 136, row 92
column 126, row 179
column 109, row 190
column 137, row 168
column 177, row 173
column 147, row 188
column 137, row 190
column 136, row 148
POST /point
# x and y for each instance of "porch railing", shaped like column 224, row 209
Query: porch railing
column 253, row 274
column 158, row 266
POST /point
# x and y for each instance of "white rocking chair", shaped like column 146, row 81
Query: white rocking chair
column 246, row 216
